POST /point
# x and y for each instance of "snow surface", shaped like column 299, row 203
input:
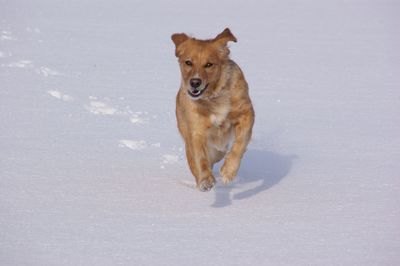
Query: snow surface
column 92, row 168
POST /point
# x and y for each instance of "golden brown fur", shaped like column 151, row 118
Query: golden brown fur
column 211, row 114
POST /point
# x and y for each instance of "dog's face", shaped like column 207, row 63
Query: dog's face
column 201, row 62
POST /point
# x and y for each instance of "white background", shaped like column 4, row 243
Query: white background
column 92, row 170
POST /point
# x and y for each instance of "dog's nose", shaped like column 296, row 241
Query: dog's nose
column 195, row 83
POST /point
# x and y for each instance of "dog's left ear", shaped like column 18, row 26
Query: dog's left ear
column 178, row 39
column 224, row 37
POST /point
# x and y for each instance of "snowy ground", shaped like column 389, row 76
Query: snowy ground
column 92, row 170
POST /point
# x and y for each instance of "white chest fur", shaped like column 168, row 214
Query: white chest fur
column 219, row 114
column 221, row 132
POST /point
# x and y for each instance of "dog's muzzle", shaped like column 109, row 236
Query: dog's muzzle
column 196, row 92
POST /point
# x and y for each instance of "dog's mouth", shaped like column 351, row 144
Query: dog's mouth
column 196, row 93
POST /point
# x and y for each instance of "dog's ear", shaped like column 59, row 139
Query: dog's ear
column 178, row 39
column 222, row 39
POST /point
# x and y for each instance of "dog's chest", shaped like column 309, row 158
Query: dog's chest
column 219, row 114
column 220, row 132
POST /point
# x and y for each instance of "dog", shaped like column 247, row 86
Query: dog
column 213, row 107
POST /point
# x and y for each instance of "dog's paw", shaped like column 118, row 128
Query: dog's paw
column 206, row 184
column 228, row 172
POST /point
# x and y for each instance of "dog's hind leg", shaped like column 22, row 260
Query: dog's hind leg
column 215, row 155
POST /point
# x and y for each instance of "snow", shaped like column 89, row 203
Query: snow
column 93, row 170
column 59, row 95
column 132, row 144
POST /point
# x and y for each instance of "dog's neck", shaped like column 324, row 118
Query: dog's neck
column 219, row 103
column 227, row 78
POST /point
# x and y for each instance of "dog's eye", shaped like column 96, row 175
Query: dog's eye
column 188, row 62
column 208, row 65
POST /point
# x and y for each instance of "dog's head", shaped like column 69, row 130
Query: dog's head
column 201, row 61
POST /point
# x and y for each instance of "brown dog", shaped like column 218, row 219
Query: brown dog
column 212, row 107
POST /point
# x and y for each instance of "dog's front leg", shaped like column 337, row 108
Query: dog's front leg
column 197, row 155
column 242, row 131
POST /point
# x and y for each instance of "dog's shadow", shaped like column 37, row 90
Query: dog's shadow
column 263, row 168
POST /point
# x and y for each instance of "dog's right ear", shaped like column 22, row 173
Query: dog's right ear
column 178, row 39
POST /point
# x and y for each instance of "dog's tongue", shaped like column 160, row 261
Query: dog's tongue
column 195, row 92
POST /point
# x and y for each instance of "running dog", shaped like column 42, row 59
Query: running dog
column 213, row 108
